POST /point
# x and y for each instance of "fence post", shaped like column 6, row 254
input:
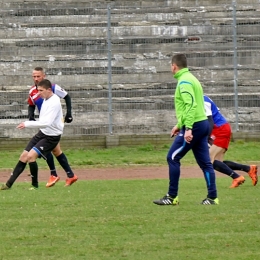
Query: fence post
column 235, row 61
column 109, row 70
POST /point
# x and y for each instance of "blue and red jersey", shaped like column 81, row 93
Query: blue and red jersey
column 34, row 98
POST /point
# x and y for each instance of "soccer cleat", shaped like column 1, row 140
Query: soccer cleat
column 70, row 181
column 167, row 200
column 33, row 188
column 52, row 181
column 4, row 187
column 237, row 182
column 209, row 201
column 253, row 174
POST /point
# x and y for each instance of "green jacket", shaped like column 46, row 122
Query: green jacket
column 188, row 99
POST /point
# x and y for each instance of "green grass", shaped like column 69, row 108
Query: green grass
column 103, row 220
column 128, row 156
column 116, row 219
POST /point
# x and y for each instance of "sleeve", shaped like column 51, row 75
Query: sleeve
column 60, row 92
column 31, row 109
column 46, row 118
column 68, row 104
column 207, row 106
column 211, row 124
column 30, row 101
column 189, row 108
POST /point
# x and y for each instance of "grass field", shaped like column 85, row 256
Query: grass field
column 116, row 219
column 145, row 155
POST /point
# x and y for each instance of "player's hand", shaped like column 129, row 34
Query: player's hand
column 188, row 136
column 68, row 118
column 21, row 126
column 175, row 131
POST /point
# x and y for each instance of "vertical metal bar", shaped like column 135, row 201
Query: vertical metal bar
column 109, row 70
column 234, row 5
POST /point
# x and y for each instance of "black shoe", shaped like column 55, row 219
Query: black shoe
column 209, row 201
column 167, row 200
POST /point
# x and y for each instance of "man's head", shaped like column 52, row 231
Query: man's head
column 38, row 75
column 179, row 61
column 45, row 89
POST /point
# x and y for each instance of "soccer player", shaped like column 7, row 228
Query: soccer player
column 191, row 133
column 51, row 127
column 35, row 100
column 220, row 139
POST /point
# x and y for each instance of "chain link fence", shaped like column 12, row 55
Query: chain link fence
column 114, row 61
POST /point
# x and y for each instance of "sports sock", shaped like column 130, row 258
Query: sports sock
column 34, row 173
column 237, row 166
column 223, row 168
column 20, row 166
column 50, row 162
column 62, row 159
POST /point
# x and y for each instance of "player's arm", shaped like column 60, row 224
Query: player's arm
column 31, row 109
column 211, row 125
column 68, row 117
column 190, row 104
column 60, row 92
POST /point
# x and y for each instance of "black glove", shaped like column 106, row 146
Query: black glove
column 68, row 118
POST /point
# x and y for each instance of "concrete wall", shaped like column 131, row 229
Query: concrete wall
column 68, row 38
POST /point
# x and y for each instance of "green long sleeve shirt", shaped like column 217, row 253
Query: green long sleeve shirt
column 188, row 99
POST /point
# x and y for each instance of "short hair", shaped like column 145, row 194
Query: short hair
column 39, row 69
column 180, row 60
column 45, row 83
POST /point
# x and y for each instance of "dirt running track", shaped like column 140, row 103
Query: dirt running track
column 134, row 172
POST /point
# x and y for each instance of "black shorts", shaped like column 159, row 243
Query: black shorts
column 43, row 144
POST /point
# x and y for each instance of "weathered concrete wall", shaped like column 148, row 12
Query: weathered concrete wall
column 69, row 40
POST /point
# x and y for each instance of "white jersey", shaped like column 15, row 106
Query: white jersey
column 51, row 117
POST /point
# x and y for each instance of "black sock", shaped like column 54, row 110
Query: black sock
column 34, row 173
column 223, row 168
column 62, row 159
column 20, row 166
column 50, row 162
column 237, row 166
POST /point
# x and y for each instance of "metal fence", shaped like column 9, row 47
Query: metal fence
column 114, row 61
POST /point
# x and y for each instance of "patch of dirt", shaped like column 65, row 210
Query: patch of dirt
column 134, row 172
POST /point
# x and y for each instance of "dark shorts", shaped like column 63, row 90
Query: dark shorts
column 42, row 144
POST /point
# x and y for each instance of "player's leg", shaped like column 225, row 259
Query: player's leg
column 32, row 156
column 222, row 136
column 250, row 169
column 217, row 153
column 54, row 178
column 63, row 161
column 19, row 168
column 201, row 154
column 43, row 147
column 50, row 162
column 178, row 149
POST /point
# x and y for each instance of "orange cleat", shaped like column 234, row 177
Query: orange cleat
column 253, row 174
column 70, row 181
column 52, row 181
column 237, row 182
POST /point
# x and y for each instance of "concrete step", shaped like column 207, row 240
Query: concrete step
column 55, row 49
column 79, row 76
